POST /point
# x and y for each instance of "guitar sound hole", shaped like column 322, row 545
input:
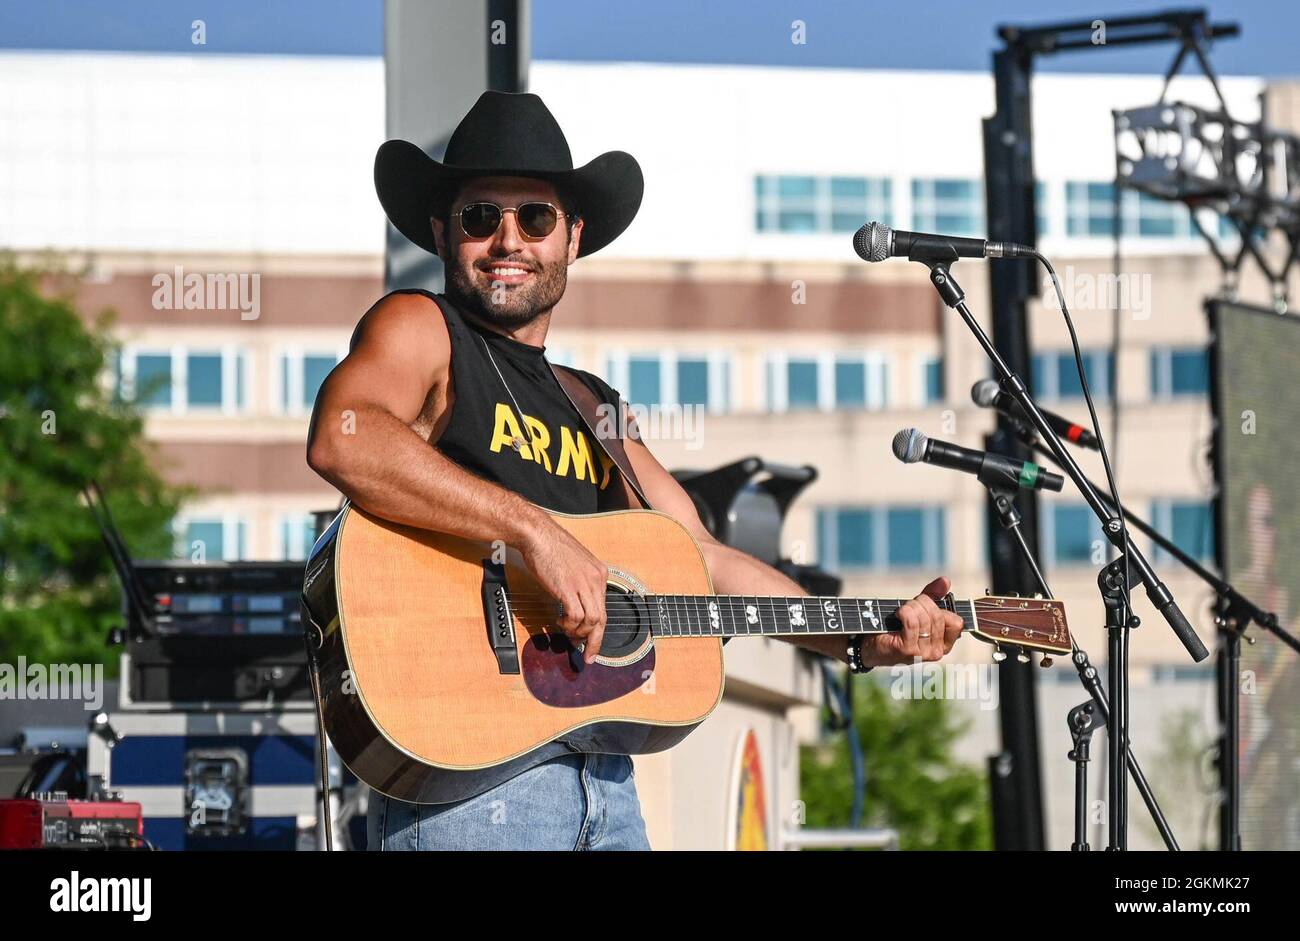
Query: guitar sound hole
column 626, row 627
column 626, row 624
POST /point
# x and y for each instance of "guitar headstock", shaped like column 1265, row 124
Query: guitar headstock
column 1028, row 623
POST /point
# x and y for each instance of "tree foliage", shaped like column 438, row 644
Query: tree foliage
column 914, row 785
column 60, row 426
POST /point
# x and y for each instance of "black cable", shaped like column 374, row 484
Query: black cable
column 1096, row 425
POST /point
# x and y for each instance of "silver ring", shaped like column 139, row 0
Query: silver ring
column 923, row 635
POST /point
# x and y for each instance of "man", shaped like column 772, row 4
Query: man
column 445, row 415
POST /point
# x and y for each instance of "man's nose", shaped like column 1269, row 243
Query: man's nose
column 507, row 234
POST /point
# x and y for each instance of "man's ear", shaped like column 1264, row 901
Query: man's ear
column 575, row 239
column 439, row 231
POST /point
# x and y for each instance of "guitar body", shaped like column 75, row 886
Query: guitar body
column 414, row 692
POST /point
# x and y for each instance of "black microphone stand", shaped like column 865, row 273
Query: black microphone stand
column 1083, row 719
column 1234, row 613
column 1113, row 579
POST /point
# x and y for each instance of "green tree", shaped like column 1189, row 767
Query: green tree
column 61, row 425
column 913, row 783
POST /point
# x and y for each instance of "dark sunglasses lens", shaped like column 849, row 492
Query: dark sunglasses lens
column 479, row 220
column 537, row 219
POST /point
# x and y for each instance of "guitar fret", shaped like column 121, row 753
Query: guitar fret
column 776, row 615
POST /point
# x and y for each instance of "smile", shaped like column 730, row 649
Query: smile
column 508, row 273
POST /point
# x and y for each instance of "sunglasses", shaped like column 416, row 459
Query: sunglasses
column 535, row 220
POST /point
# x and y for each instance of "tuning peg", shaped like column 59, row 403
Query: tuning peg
column 1038, row 596
column 1045, row 662
column 998, row 653
column 1013, row 594
column 1022, row 656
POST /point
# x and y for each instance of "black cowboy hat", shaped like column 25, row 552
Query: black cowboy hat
column 507, row 134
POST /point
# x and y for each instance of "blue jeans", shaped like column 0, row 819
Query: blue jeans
column 574, row 802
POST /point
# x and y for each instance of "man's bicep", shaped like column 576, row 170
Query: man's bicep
column 663, row 491
column 399, row 350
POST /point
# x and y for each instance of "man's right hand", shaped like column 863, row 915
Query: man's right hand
column 570, row 574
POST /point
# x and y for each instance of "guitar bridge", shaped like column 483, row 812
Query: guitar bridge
column 496, row 615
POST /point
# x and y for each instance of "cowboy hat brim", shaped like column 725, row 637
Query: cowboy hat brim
column 607, row 191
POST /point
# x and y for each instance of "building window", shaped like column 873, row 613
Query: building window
column 1089, row 209
column 671, row 377
column 953, row 207
column 1056, row 375
column 300, row 376
column 297, row 536
column 820, row 204
column 1188, row 524
column 1170, row 673
column 1042, row 214
column 881, row 537
column 827, row 381
column 183, row 380
column 211, row 539
column 1071, row 533
column 931, row 380
column 1179, row 371
column 1090, row 213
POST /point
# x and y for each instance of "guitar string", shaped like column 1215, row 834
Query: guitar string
column 636, row 621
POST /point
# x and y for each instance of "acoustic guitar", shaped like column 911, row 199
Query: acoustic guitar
column 438, row 655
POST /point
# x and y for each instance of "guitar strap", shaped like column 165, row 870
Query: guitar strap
column 628, row 495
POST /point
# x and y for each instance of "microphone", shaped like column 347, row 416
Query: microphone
column 876, row 241
column 993, row 470
column 988, row 394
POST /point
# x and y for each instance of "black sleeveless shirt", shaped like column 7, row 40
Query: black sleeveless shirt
column 557, row 465
column 561, row 468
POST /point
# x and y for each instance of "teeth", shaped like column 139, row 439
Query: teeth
column 509, row 272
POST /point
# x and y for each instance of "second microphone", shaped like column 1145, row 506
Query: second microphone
column 993, row 470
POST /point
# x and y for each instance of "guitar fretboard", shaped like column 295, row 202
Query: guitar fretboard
column 748, row 615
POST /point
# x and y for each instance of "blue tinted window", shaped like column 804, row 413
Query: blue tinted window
column 906, row 537
column 153, row 379
column 314, row 371
column 1189, row 372
column 951, row 206
column 933, row 381
column 856, row 537
column 1074, row 529
column 643, row 380
column 1189, row 524
column 801, row 384
column 692, row 382
column 208, row 534
column 203, row 379
column 849, row 187
column 795, row 186
column 850, row 384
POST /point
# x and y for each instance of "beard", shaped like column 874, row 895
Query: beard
column 506, row 305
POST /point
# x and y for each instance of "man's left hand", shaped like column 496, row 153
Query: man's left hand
column 928, row 633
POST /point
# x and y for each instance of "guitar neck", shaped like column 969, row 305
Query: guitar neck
column 776, row 616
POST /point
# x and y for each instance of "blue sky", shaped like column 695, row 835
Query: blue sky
column 922, row 34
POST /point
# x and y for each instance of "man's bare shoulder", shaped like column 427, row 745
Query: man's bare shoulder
column 401, row 319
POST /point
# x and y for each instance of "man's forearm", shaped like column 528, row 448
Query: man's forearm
column 737, row 573
column 388, row 470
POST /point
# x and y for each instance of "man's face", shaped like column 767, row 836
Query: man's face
column 507, row 278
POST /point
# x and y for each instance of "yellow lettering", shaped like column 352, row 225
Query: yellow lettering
column 606, row 463
column 579, row 452
column 541, row 441
column 507, row 430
